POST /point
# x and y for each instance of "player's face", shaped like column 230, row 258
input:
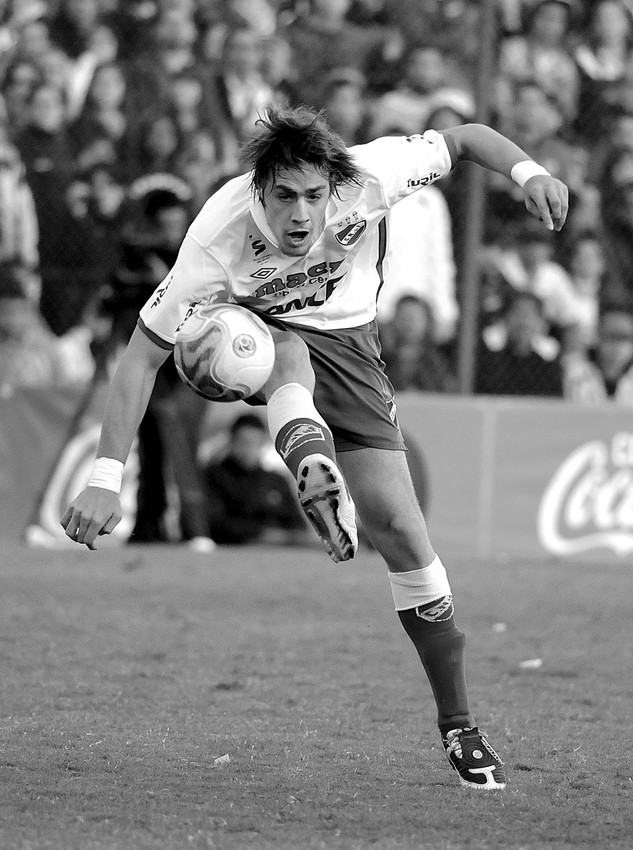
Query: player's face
column 295, row 208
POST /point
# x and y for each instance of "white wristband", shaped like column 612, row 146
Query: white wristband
column 522, row 171
column 107, row 473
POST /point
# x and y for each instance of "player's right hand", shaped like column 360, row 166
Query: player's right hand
column 95, row 511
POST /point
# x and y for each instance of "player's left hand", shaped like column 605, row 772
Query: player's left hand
column 547, row 198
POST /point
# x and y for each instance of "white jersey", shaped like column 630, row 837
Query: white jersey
column 230, row 253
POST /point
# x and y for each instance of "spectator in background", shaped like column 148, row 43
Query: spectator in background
column 98, row 205
column 323, row 39
column 413, row 359
column 73, row 25
column 279, row 69
column 103, row 48
column 409, row 104
column 541, row 53
column 586, row 265
column 101, row 133
column 536, row 123
column 419, row 260
column 606, row 374
column 616, row 191
column 449, row 108
column 150, row 249
column 520, row 365
column 602, row 56
column 30, row 355
column 345, row 105
column 171, row 51
column 524, row 263
column 47, row 153
column 21, row 78
column 157, row 145
column 19, row 231
column 240, row 92
column 249, row 502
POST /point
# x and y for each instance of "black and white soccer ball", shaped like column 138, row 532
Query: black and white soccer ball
column 224, row 352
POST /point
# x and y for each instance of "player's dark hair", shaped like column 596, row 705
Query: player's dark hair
column 294, row 138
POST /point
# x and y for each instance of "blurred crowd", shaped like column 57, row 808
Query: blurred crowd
column 118, row 118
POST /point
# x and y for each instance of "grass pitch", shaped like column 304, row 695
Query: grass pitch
column 128, row 674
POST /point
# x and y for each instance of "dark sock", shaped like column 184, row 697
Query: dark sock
column 300, row 438
column 440, row 645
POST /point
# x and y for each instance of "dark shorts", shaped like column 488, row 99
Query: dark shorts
column 352, row 392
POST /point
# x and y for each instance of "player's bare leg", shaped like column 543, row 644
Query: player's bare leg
column 382, row 488
column 305, row 444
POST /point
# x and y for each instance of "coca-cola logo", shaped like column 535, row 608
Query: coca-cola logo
column 588, row 504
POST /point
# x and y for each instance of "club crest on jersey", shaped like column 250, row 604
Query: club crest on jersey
column 351, row 234
column 262, row 274
column 306, row 432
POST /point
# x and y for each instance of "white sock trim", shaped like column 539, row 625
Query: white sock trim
column 419, row 587
column 292, row 401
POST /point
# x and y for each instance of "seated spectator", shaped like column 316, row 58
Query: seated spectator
column 524, row 263
column 249, row 502
column 412, row 357
column 541, row 53
column 520, row 366
column 30, row 355
column 586, row 265
column 606, row 374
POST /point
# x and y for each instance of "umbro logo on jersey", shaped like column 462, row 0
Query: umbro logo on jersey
column 352, row 233
column 262, row 274
column 297, row 436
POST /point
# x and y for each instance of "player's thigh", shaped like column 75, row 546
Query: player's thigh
column 292, row 362
column 381, row 486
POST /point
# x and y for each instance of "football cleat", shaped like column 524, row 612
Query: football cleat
column 328, row 506
column 473, row 758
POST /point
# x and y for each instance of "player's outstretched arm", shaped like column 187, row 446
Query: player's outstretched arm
column 545, row 197
column 97, row 509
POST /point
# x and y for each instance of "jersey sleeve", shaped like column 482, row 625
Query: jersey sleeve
column 403, row 165
column 195, row 278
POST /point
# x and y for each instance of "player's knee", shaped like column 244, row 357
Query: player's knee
column 399, row 531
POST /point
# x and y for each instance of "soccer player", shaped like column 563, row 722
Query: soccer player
column 300, row 239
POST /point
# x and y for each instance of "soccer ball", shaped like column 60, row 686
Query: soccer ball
column 224, row 352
